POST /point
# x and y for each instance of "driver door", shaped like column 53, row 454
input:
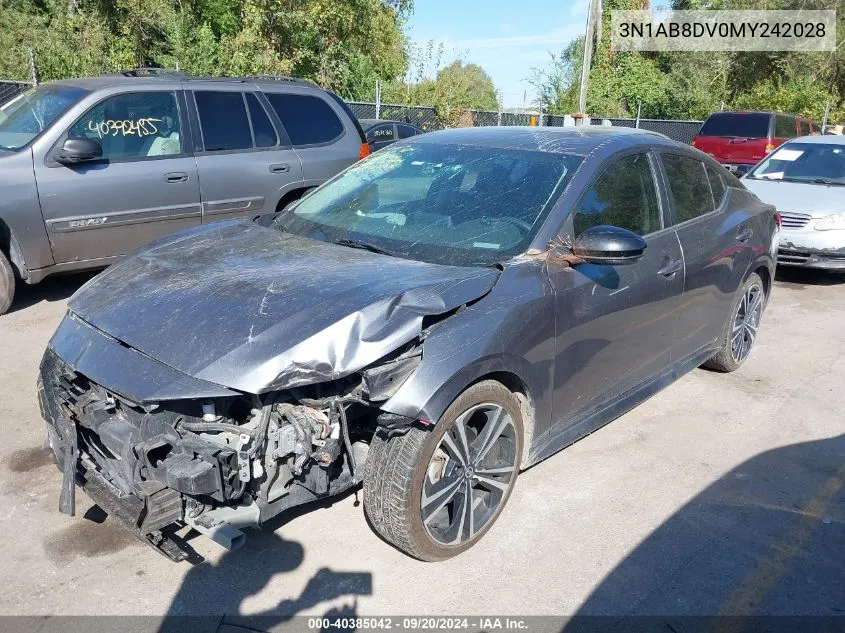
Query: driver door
column 145, row 185
column 615, row 323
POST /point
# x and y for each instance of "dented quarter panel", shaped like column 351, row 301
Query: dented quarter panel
column 255, row 309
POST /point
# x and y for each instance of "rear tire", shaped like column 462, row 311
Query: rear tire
column 473, row 453
column 741, row 327
column 7, row 284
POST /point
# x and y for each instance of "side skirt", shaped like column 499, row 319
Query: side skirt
column 593, row 420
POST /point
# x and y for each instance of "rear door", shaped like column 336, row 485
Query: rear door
column 324, row 137
column 245, row 164
column 615, row 324
column 716, row 248
column 145, row 185
column 735, row 137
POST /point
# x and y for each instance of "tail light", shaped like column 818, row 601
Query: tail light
column 769, row 147
column 778, row 219
column 365, row 151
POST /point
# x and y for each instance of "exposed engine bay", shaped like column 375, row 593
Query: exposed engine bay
column 219, row 464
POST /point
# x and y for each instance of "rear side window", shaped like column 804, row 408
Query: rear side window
column 690, row 186
column 308, row 120
column 223, row 121
column 785, row 127
column 406, row 131
column 380, row 133
column 624, row 196
column 262, row 129
column 717, row 185
column 736, row 124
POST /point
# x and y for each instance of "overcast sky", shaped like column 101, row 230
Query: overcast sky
column 506, row 38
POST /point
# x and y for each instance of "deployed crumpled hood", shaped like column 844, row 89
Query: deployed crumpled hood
column 797, row 197
column 255, row 309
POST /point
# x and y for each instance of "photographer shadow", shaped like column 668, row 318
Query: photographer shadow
column 210, row 596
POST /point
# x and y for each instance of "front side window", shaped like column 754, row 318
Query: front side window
column 223, row 121
column 446, row 204
column 624, row 196
column 406, row 131
column 690, row 187
column 24, row 118
column 821, row 163
column 308, row 120
column 133, row 125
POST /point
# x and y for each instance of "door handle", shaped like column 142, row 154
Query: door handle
column 744, row 234
column 671, row 267
column 176, row 176
column 279, row 168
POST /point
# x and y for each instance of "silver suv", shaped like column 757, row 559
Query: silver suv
column 93, row 168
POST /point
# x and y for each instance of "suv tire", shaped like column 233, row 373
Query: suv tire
column 7, row 284
column 416, row 484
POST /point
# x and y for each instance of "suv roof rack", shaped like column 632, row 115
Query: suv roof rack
column 150, row 72
column 293, row 80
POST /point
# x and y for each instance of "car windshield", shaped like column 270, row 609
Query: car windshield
column 27, row 116
column 445, row 204
column 804, row 162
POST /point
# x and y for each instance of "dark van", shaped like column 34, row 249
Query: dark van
column 739, row 140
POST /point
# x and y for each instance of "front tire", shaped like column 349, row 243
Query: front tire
column 7, row 284
column 434, row 493
column 741, row 329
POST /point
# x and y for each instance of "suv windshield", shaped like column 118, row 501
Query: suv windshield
column 804, row 162
column 737, row 125
column 439, row 203
column 27, row 116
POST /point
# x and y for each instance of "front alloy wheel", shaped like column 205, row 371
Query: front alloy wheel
column 434, row 493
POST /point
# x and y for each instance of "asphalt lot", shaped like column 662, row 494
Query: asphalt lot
column 721, row 495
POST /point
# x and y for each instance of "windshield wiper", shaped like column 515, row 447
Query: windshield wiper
column 827, row 181
column 363, row 246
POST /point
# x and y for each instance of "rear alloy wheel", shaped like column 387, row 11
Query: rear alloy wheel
column 434, row 494
column 741, row 329
column 7, row 284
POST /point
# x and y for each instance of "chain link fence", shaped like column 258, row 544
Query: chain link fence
column 426, row 118
column 11, row 89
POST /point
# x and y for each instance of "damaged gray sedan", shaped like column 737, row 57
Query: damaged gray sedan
column 438, row 317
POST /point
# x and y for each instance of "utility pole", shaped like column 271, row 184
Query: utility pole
column 33, row 69
column 592, row 16
column 826, row 114
column 378, row 98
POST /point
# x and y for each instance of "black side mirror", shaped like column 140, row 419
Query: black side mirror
column 609, row 245
column 79, row 150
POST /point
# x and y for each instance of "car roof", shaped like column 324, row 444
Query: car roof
column 129, row 78
column 827, row 139
column 368, row 123
column 559, row 140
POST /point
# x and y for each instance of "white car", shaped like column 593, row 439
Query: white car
column 805, row 180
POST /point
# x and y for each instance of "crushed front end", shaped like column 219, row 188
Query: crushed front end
column 215, row 463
